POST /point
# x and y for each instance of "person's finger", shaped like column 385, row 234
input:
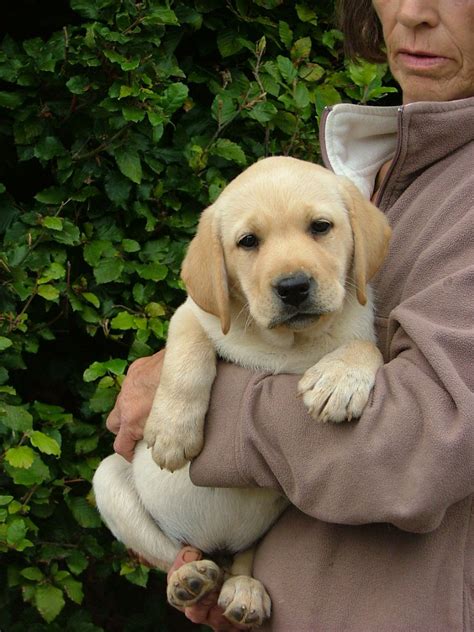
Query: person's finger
column 211, row 616
column 124, row 444
column 113, row 421
column 186, row 554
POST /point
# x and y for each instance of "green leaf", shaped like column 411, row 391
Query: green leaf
column 86, row 445
column 10, row 100
column 77, row 562
column 223, row 108
column 15, row 417
column 32, row 573
column 85, row 514
column 160, row 15
column 230, row 151
column 132, row 113
column 154, row 309
column 16, row 531
column 363, row 74
column 91, row 298
column 5, row 500
column 129, row 164
column 123, row 320
column 54, row 271
column 54, row 223
column 115, row 366
column 285, row 33
column 301, row 95
column 137, row 575
column 306, row 14
column 130, row 245
column 22, row 456
column 228, row 43
column 263, row 112
column 103, row 400
column 285, row 66
column 78, row 84
column 49, row 601
column 44, row 443
column 108, row 270
column 51, row 195
column 95, row 371
column 152, row 271
column 5, row 343
column 48, row 292
column 117, row 187
column 73, row 589
column 37, row 473
column 48, row 147
column 175, row 96
column 301, row 48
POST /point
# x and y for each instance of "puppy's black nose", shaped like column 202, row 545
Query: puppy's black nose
column 293, row 290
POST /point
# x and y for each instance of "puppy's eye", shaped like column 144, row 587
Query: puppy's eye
column 248, row 242
column 320, row 227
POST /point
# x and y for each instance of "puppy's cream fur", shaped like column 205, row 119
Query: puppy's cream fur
column 235, row 311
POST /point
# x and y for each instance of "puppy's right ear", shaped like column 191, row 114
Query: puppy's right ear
column 204, row 271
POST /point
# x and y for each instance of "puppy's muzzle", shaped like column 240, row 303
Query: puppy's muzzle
column 294, row 290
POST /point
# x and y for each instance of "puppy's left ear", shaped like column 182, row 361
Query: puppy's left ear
column 371, row 236
column 204, row 271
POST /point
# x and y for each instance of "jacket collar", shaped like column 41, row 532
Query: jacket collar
column 357, row 139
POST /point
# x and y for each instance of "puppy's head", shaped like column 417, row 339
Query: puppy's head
column 288, row 239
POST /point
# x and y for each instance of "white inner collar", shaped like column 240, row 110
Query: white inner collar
column 359, row 139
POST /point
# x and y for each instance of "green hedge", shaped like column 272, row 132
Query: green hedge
column 117, row 129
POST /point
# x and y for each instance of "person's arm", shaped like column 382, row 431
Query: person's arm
column 407, row 459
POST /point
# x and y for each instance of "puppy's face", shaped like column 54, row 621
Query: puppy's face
column 287, row 243
column 285, row 239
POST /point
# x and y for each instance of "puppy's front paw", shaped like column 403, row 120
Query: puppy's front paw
column 174, row 442
column 334, row 390
column 192, row 581
column 245, row 601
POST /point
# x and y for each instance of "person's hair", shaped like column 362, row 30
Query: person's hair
column 363, row 36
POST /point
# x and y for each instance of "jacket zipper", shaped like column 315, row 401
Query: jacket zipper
column 395, row 158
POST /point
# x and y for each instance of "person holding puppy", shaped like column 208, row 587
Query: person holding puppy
column 379, row 535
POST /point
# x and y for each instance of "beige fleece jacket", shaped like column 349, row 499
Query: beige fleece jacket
column 379, row 537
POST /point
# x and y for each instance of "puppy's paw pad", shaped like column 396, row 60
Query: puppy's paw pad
column 192, row 581
column 245, row 601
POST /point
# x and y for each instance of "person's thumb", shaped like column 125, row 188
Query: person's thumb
column 187, row 554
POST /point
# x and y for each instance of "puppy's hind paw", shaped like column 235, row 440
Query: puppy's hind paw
column 245, row 601
column 192, row 581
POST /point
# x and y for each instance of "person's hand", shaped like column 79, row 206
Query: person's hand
column 127, row 418
column 205, row 611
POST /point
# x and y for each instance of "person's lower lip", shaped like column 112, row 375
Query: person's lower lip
column 420, row 62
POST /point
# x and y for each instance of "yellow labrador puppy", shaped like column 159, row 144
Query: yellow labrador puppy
column 276, row 278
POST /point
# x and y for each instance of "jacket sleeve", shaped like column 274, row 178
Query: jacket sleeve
column 409, row 457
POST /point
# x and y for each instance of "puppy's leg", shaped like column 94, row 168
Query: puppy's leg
column 174, row 429
column 124, row 514
column 243, row 598
column 338, row 387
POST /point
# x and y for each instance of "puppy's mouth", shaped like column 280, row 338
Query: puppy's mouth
column 298, row 320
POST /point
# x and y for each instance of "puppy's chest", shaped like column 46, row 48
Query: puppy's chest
column 256, row 354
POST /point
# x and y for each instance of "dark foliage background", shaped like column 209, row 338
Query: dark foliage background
column 120, row 121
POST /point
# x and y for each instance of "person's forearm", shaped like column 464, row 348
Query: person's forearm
column 393, row 465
